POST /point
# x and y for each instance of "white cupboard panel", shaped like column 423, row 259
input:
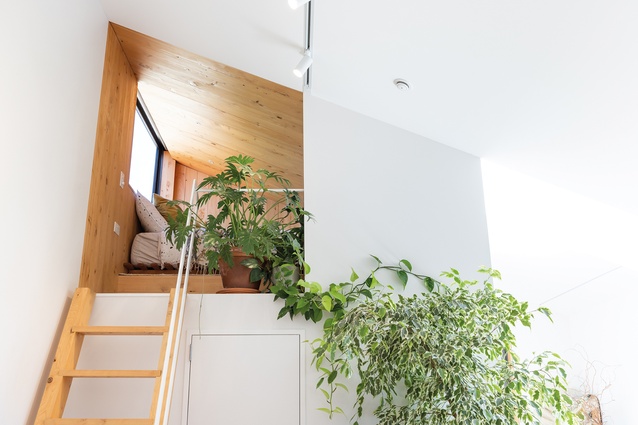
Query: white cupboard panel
column 245, row 379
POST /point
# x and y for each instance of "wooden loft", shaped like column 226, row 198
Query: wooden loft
column 205, row 111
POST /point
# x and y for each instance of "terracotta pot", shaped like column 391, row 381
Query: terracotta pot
column 237, row 276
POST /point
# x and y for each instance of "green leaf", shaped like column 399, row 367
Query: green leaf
column 317, row 314
column 407, row 264
column 429, row 283
column 363, row 331
column 338, row 295
column 332, row 376
column 342, row 386
column 315, row 288
column 376, row 259
column 373, row 281
column 353, row 276
column 306, row 268
column 282, row 313
column 546, row 312
column 326, row 301
column 403, row 277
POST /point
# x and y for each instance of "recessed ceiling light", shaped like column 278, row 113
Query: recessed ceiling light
column 401, row 84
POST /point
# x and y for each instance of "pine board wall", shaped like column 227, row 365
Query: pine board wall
column 105, row 252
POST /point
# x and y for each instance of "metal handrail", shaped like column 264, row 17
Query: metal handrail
column 175, row 327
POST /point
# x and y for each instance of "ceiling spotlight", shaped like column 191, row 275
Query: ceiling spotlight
column 296, row 4
column 303, row 64
column 401, row 84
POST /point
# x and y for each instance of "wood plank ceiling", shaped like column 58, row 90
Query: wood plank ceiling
column 206, row 111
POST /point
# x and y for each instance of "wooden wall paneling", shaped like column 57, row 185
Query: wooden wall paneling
column 202, row 142
column 184, row 177
column 105, row 252
column 167, row 178
column 207, row 111
column 183, row 182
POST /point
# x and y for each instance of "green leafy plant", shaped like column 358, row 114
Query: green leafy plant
column 250, row 217
column 443, row 356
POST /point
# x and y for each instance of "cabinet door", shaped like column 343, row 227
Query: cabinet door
column 245, row 379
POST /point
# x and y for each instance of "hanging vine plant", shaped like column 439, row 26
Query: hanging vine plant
column 442, row 356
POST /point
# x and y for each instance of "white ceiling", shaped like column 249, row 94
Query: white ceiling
column 546, row 87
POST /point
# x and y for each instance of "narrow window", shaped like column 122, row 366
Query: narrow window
column 145, row 155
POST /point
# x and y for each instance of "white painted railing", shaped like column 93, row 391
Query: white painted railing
column 175, row 328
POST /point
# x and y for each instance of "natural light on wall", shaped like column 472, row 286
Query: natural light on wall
column 536, row 216
column 579, row 258
column 143, row 159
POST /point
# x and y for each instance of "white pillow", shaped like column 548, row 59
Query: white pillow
column 150, row 218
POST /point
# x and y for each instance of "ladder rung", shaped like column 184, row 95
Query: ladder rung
column 88, row 373
column 69, row 421
column 120, row 330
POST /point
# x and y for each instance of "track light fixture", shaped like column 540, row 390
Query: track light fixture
column 303, row 64
column 296, row 4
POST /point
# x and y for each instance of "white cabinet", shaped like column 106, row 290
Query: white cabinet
column 245, row 378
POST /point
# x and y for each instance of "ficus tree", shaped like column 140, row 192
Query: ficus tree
column 445, row 355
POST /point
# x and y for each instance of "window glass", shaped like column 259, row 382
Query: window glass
column 143, row 159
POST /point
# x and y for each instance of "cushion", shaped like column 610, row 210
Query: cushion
column 150, row 218
column 164, row 208
column 153, row 248
column 146, row 249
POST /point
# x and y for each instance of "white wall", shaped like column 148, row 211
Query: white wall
column 376, row 189
column 53, row 53
column 425, row 203
column 577, row 257
column 206, row 314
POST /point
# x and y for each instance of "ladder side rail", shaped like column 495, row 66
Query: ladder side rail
column 163, row 401
column 66, row 357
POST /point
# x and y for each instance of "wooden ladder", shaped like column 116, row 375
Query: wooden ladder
column 63, row 368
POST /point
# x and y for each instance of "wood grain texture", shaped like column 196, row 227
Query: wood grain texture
column 119, row 330
column 206, row 111
column 57, row 388
column 157, row 283
column 71, row 421
column 93, row 373
column 168, row 342
column 105, row 252
column 167, row 176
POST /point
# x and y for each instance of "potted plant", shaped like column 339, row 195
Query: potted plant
column 242, row 239
column 442, row 356
column 289, row 256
